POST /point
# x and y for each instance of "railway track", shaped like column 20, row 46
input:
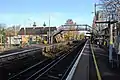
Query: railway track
column 20, row 64
column 17, row 55
column 12, row 63
column 51, row 69
column 60, row 69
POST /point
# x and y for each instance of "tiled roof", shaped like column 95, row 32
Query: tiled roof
column 36, row 31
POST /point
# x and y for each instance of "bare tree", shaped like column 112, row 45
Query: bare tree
column 112, row 9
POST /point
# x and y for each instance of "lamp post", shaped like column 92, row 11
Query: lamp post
column 43, row 38
column 1, row 40
column 24, row 28
column 30, row 35
column 34, row 32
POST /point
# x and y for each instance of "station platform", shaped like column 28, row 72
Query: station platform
column 92, row 64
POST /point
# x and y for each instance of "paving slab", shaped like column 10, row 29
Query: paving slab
column 107, row 73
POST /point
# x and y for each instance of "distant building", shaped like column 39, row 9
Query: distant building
column 13, row 40
column 33, row 34
column 11, row 35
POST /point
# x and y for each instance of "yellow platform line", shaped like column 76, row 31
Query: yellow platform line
column 95, row 62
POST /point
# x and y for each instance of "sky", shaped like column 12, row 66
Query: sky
column 25, row 12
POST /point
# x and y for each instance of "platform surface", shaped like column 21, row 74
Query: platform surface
column 86, row 68
column 82, row 69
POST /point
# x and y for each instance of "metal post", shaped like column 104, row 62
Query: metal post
column 1, row 41
column 118, row 38
column 15, row 30
column 49, row 29
column 51, row 39
column 24, row 31
column 10, row 41
column 36, row 40
column 111, row 42
column 95, row 9
column 4, row 38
